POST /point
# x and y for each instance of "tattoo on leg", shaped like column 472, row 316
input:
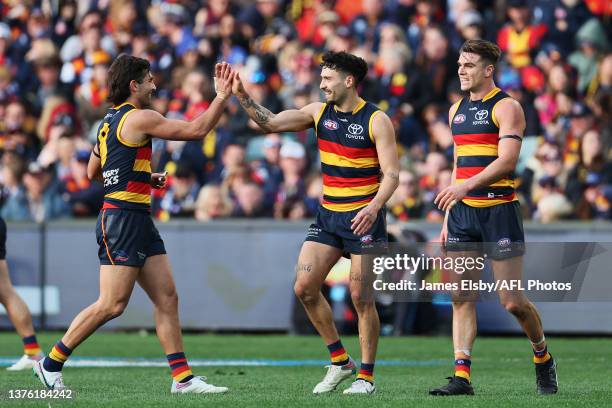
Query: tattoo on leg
column 303, row 267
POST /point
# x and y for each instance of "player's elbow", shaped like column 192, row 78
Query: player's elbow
column 509, row 164
column 193, row 132
column 92, row 172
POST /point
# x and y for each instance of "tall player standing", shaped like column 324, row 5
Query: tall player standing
column 357, row 147
column 482, row 208
column 130, row 247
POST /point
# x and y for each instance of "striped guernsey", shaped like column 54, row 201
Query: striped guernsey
column 349, row 161
column 126, row 167
column 476, row 135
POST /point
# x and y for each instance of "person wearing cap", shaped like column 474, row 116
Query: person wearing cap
column 292, row 164
column 483, row 215
column 357, row 150
column 130, row 247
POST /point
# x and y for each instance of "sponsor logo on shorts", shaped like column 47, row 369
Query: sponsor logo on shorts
column 366, row 239
column 504, row 242
column 141, row 255
column 330, row 124
column 313, row 232
column 120, row 256
column 459, row 119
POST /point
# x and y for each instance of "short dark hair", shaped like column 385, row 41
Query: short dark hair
column 488, row 51
column 347, row 63
column 122, row 71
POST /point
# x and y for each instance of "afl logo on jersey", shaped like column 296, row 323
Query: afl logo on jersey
column 330, row 124
column 459, row 119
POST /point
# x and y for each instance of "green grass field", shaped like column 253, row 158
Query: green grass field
column 502, row 372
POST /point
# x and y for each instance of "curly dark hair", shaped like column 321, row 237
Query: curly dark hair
column 122, row 71
column 488, row 51
column 348, row 63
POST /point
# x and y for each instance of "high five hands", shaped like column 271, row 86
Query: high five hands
column 224, row 79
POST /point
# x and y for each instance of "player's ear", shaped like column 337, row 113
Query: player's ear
column 349, row 81
column 133, row 85
column 489, row 70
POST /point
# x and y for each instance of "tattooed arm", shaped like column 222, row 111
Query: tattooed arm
column 291, row 120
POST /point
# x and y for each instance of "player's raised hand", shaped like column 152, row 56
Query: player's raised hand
column 238, row 86
column 224, row 76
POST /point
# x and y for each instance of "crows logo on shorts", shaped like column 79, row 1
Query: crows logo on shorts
column 120, row 256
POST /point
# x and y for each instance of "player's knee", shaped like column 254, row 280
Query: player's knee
column 462, row 305
column 362, row 300
column 111, row 310
column 169, row 301
column 305, row 292
column 517, row 309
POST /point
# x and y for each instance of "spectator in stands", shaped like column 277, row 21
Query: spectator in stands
column 82, row 195
column 592, row 44
column 91, row 95
column 38, row 200
column 292, row 187
column 590, row 173
column 180, row 199
column 212, row 203
column 249, row 201
column 519, row 39
column 406, row 203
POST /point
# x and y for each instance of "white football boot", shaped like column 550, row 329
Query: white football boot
column 360, row 387
column 197, row 385
column 335, row 375
column 26, row 362
column 51, row 379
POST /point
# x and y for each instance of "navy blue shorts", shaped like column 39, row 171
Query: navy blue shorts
column 496, row 231
column 127, row 237
column 2, row 239
column 334, row 229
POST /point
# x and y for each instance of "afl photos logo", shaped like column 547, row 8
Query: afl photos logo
column 330, row 124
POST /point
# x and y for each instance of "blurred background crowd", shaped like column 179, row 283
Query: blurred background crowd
column 55, row 55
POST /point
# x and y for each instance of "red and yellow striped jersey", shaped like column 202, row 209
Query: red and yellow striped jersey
column 349, row 161
column 476, row 135
column 126, row 167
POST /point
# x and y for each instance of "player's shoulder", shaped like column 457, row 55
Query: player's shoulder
column 138, row 116
column 314, row 108
column 507, row 105
column 453, row 109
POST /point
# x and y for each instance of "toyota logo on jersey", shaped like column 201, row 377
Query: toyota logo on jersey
column 481, row 114
column 355, row 129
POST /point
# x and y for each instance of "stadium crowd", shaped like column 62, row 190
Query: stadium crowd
column 55, row 55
